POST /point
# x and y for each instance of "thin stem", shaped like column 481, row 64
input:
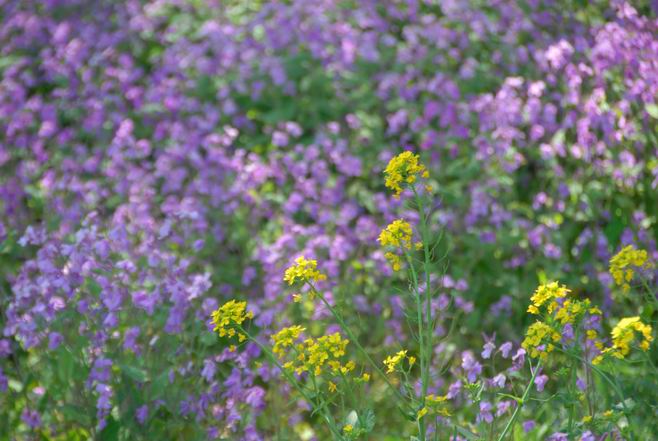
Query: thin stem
column 520, row 403
column 353, row 339
column 294, row 383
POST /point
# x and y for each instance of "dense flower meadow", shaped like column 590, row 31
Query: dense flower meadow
column 328, row 220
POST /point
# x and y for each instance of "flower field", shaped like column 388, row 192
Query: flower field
column 419, row 220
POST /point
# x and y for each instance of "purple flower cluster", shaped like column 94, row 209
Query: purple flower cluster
column 160, row 156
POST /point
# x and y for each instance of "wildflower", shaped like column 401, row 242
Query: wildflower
column 228, row 315
column 437, row 404
column 540, row 382
column 312, row 354
column 539, row 339
column 397, row 234
column 303, row 270
column 331, row 386
column 622, row 263
column 403, row 169
column 547, row 293
column 394, row 260
column 392, row 361
column 348, row 429
column 365, row 377
column 624, row 333
column 421, row 413
column 285, row 338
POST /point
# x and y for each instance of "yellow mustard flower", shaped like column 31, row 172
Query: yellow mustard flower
column 547, row 294
column 348, row 429
column 403, row 169
column 623, row 263
column 397, row 234
column 303, row 270
column 285, row 338
column 313, row 353
column 436, row 404
column 229, row 315
column 392, row 361
column 624, row 333
column 539, row 340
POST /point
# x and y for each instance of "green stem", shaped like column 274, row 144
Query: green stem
column 354, row 340
column 520, row 403
column 295, row 384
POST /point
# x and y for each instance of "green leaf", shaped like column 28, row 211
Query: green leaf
column 134, row 373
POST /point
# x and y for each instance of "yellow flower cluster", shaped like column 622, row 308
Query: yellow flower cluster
column 285, row 338
column 229, row 315
column 403, row 169
column 571, row 310
column 397, row 234
column 435, row 404
column 392, row 361
column 623, row 335
column 303, row 270
column 539, row 340
column 547, row 293
column 622, row 263
column 312, row 354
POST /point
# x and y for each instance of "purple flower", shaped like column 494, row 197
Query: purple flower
column 485, row 412
column 528, row 425
column 489, row 347
column 518, row 360
column 31, row 418
column 505, row 349
column 141, row 414
column 208, row 371
column 540, row 381
column 567, row 332
column 54, row 340
column 100, row 371
column 558, row 436
column 499, row 380
column 471, row 366
column 588, row 436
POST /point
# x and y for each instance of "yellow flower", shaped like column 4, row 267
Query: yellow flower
column 312, row 354
column 624, row 333
column 303, row 270
column 285, row 338
column 365, row 377
column 397, row 234
column 621, row 263
column 538, row 340
column 435, row 404
column 393, row 360
column 331, row 386
column 347, row 429
column 403, row 169
column 587, row 419
column 546, row 293
column 229, row 315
